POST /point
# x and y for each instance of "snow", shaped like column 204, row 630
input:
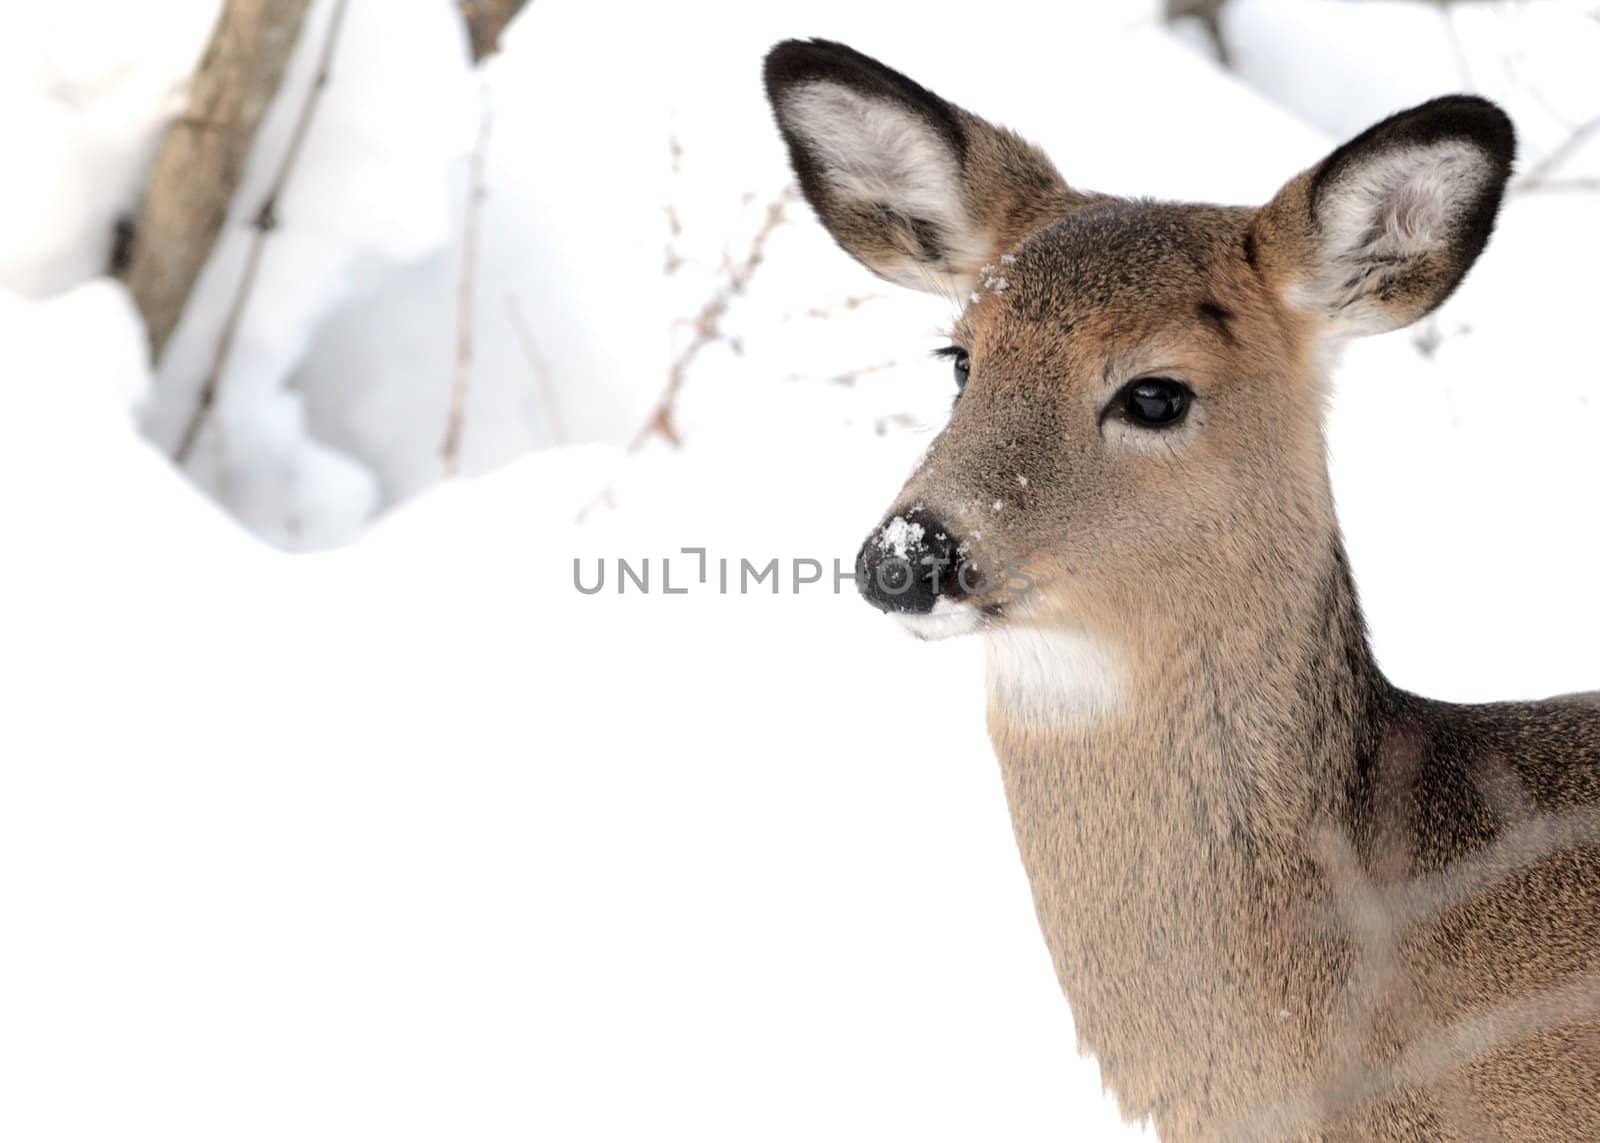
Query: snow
column 900, row 536
column 989, row 280
column 82, row 96
column 1343, row 66
column 410, row 839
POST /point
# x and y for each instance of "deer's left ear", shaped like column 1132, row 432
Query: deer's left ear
column 1384, row 229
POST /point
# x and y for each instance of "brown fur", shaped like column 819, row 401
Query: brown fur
column 1285, row 899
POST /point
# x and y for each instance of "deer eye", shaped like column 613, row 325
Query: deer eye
column 960, row 364
column 1152, row 402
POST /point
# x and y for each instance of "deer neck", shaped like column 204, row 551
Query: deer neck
column 1164, row 809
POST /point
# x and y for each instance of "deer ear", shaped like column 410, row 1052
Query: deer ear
column 1385, row 228
column 916, row 189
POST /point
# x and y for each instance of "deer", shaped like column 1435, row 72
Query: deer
column 1284, row 898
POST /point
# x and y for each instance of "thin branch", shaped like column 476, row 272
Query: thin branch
column 541, row 372
column 1538, row 185
column 1430, row 1059
column 850, row 376
column 1519, row 847
column 882, row 425
column 263, row 224
column 1539, row 174
column 1512, row 64
column 707, row 326
column 674, row 260
column 707, row 330
column 1447, row 15
column 466, row 292
column 852, row 302
column 1377, row 905
column 486, row 20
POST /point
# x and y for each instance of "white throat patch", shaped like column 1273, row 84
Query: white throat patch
column 1043, row 675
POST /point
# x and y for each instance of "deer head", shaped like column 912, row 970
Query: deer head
column 1135, row 455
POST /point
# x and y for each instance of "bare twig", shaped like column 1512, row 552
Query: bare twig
column 1431, row 1058
column 707, row 330
column 1447, row 16
column 466, row 293
column 707, row 325
column 1378, row 906
column 1512, row 63
column 849, row 376
column 263, row 224
column 674, row 260
column 882, row 425
column 486, row 20
column 541, row 372
column 845, row 305
column 1538, row 185
column 202, row 159
column 1538, row 176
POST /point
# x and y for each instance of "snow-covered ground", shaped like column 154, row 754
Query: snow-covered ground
column 410, row 838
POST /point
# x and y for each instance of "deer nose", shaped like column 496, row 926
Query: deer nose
column 908, row 563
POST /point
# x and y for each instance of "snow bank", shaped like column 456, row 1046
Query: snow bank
column 412, row 840
column 84, row 92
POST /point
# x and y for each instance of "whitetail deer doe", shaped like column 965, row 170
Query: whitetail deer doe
column 1286, row 899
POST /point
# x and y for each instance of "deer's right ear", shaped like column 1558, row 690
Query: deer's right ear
column 916, row 189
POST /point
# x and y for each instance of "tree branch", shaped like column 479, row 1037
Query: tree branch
column 540, row 371
column 1378, row 905
column 264, row 223
column 466, row 294
column 1540, row 173
column 707, row 325
column 202, row 157
column 486, row 20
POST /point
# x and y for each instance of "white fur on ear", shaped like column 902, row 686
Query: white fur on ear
column 1384, row 216
column 876, row 152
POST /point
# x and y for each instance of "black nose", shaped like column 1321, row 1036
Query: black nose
column 908, row 562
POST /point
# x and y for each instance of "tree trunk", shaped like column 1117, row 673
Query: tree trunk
column 1209, row 13
column 202, row 157
column 485, row 20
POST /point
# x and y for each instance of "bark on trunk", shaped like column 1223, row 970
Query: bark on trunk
column 485, row 20
column 202, row 157
column 1209, row 13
